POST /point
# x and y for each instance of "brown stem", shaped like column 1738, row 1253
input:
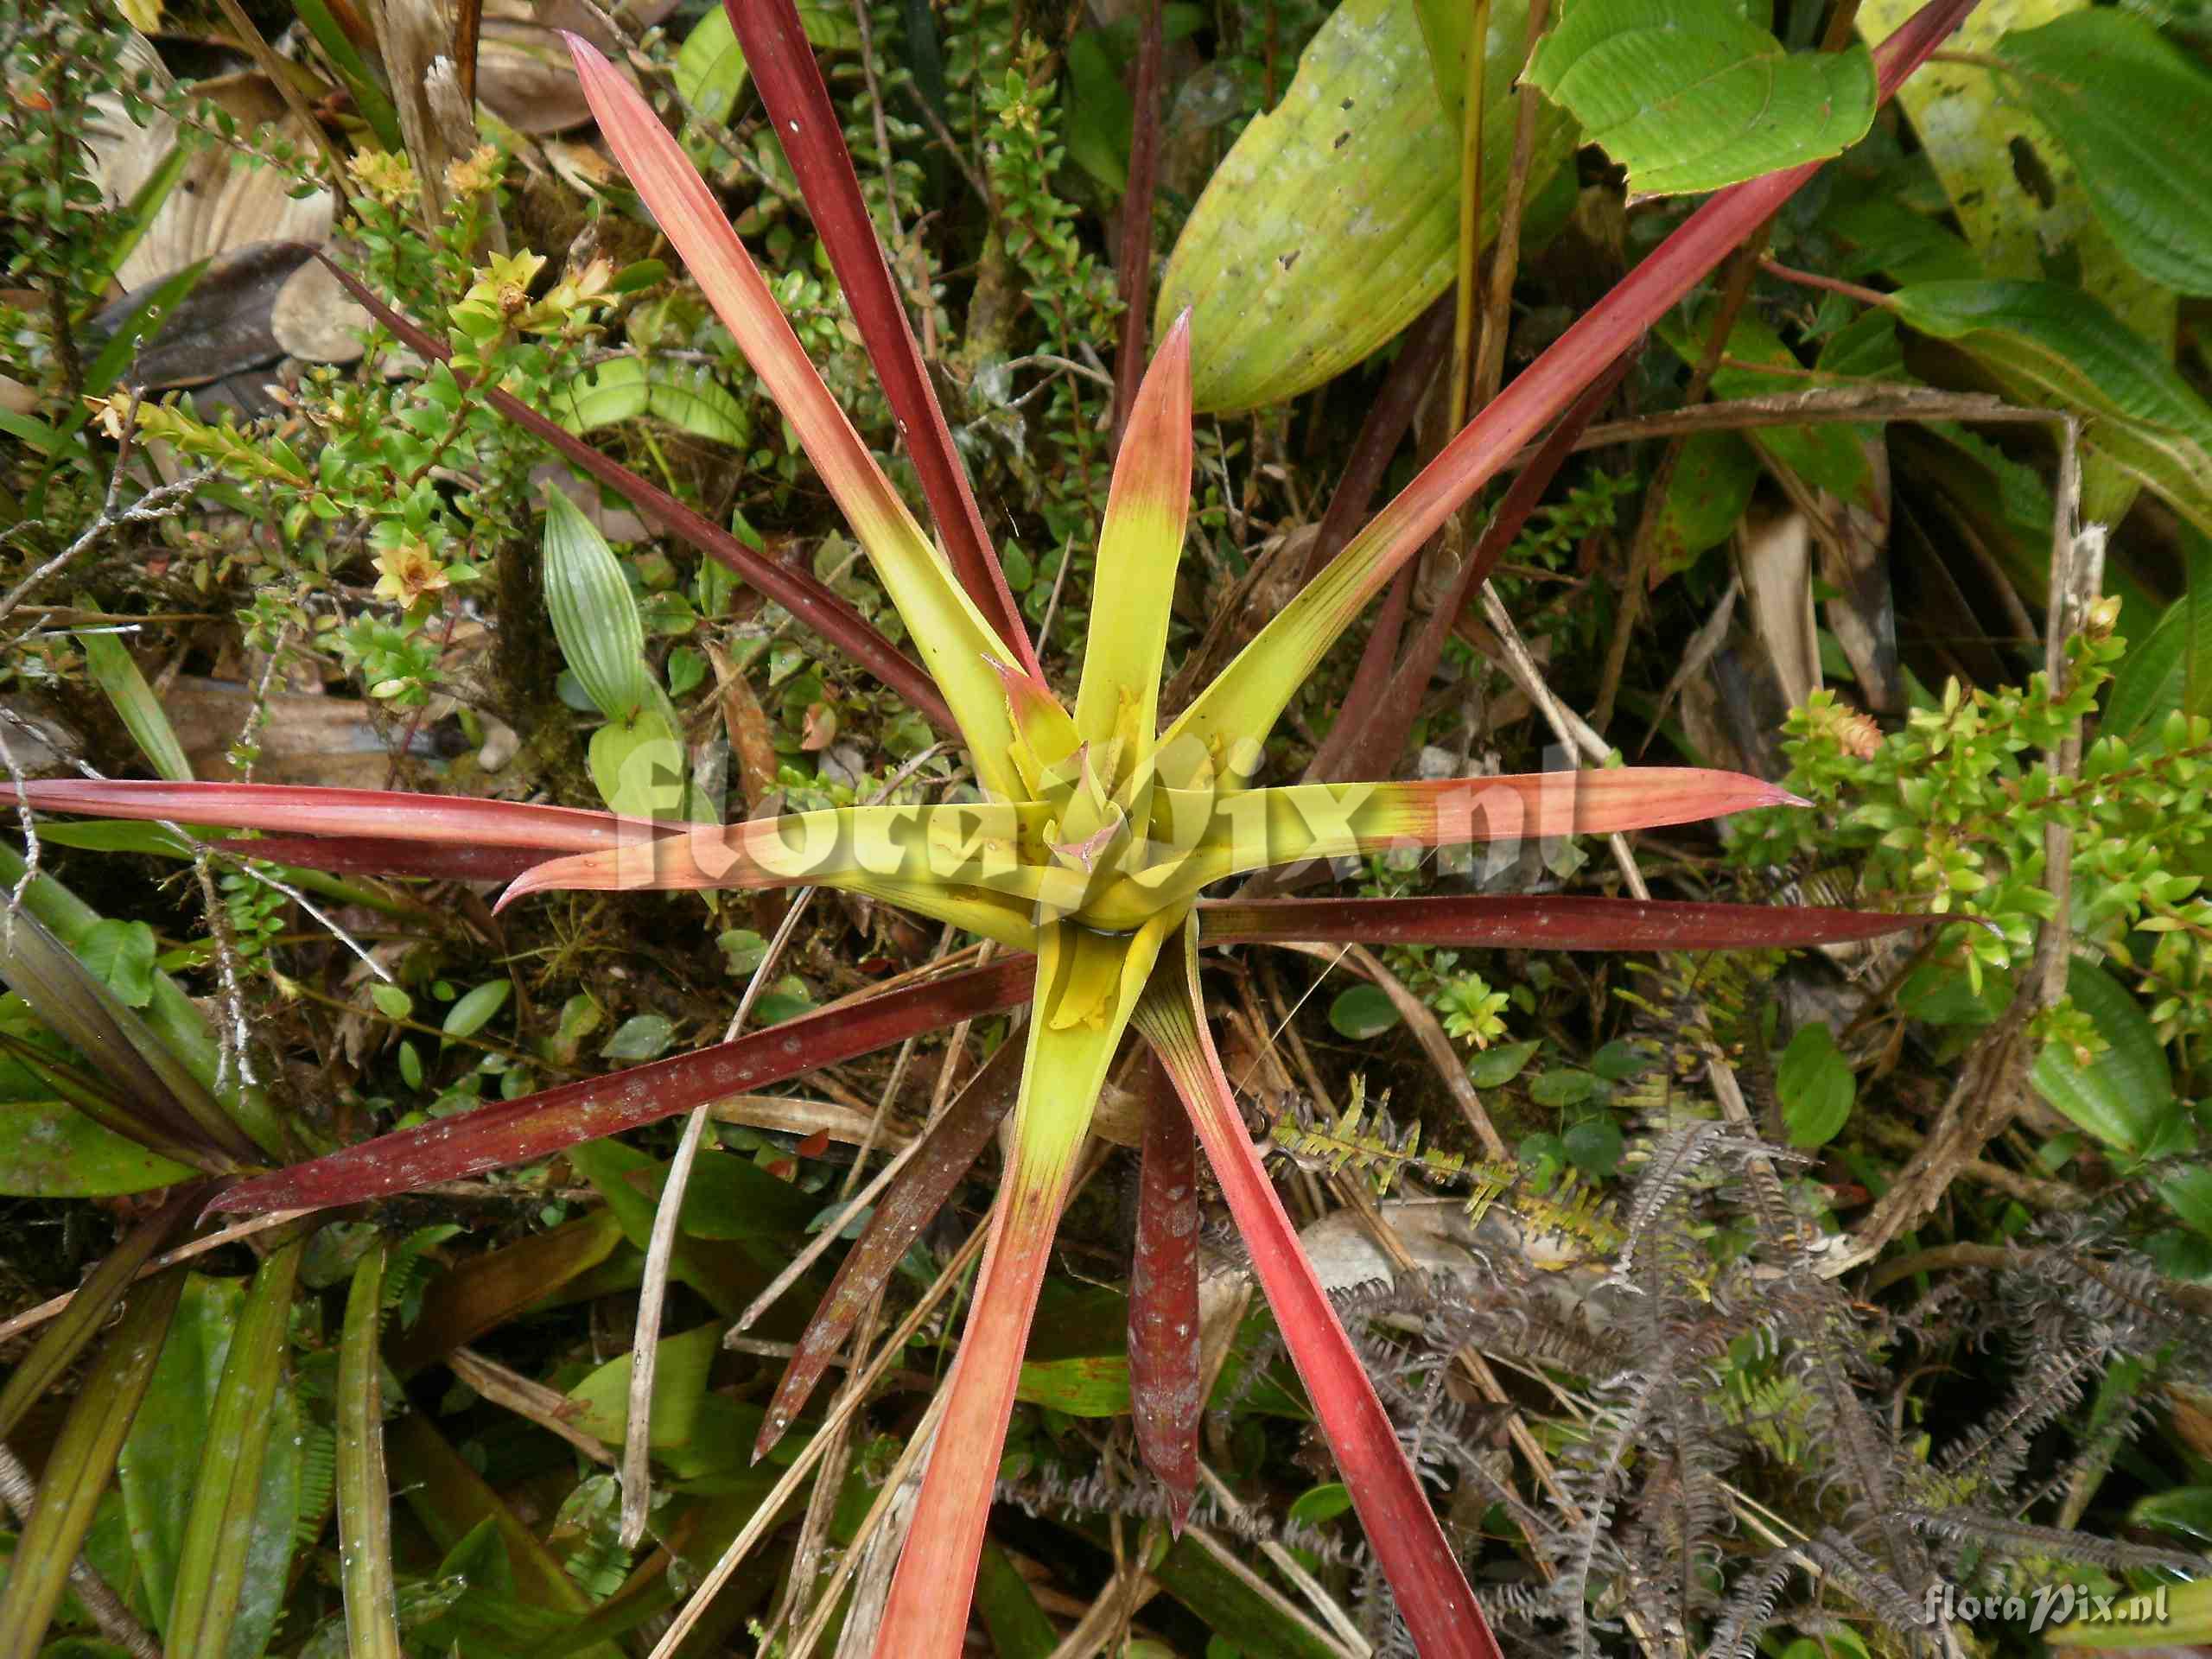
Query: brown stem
column 1505, row 255
column 1135, row 284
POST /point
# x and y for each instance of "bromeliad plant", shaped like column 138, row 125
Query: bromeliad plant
column 1090, row 858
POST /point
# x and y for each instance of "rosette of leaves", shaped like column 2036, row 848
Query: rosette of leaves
column 1089, row 858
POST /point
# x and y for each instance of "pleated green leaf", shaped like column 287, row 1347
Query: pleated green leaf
column 1688, row 95
column 2117, row 95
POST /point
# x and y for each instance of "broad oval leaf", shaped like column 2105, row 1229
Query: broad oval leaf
column 2049, row 345
column 2124, row 1095
column 1689, row 96
column 1334, row 220
column 625, row 388
column 2117, row 95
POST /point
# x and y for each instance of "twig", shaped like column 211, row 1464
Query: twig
column 1342, row 1623
column 549, row 1409
column 660, row 1254
column 31, row 1319
column 1474, row 84
column 1505, row 247
column 660, row 1247
column 1989, row 1086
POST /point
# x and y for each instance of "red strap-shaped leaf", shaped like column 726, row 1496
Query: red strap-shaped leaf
column 536, row 1126
column 782, row 62
column 1401, row 1528
column 1164, row 1360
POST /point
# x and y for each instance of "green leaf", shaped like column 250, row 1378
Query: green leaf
column 2049, row 344
column 236, row 1548
column 639, row 767
column 1689, row 96
column 2171, row 668
column 81, row 1462
column 160, row 1462
column 2118, row 97
column 594, row 617
column 1362, row 1013
column 1815, row 1086
column 2186, row 1510
column 1594, row 1146
column 49, row 1150
column 2188, row 1621
column 1018, row 1627
column 679, row 1388
column 1495, row 1067
column 1712, row 485
column 113, row 670
column 122, row 953
column 2124, row 1096
column 2016, row 193
column 1100, row 113
column 1096, row 1385
column 1334, row 220
column 627, row 388
column 364, row 1489
column 475, row 1010
column 710, row 69
column 641, row 1037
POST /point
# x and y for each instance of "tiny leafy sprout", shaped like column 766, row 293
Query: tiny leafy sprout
column 1090, row 857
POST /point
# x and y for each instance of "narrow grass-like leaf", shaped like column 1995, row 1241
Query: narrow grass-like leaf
column 1402, row 1528
column 806, row 124
column 100, row 1104
column 1550, row 922
column 809, row 599
column 1367, row 738
column 1244, row 701
column 168, row 1103
column 82, row 1463
column 78, row 1323
column 211, row 1577
column 1083, row 1006
column 363, row 1491
column 957, row 642
column 1139, row 545
column 1164, row 1369
column 948, row 1152
column 516, row 1132
column 112, row 669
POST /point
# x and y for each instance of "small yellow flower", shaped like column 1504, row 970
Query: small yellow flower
column 408, row 572
column 474, row 174
column 388, row 176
